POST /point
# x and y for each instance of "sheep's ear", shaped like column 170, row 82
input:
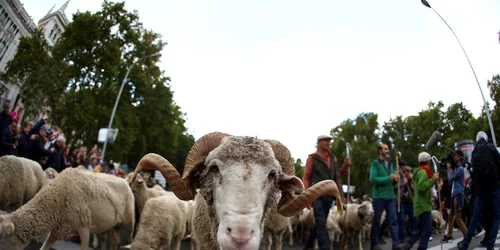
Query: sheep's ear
column 362, row 206
column 139, row 181
column 290, row 183
column 8, row 228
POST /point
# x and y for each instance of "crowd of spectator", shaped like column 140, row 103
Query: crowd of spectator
column 46, row 144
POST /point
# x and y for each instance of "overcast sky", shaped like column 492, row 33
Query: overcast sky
column 292, row 70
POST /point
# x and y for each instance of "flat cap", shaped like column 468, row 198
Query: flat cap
column 424, row 157
column 324, row 137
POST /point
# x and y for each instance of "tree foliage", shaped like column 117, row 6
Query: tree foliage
column 408, row 135
column 79, row 78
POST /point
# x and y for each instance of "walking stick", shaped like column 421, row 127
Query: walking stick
column 434, row 160
column 344, row 233
column 398, row 155
column 348, row 155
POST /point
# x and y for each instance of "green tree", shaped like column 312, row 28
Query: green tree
column 299, row 168
column 89, row 62
column 41, row 77
column 362, row 134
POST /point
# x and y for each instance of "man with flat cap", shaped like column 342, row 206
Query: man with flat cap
column 322, row 165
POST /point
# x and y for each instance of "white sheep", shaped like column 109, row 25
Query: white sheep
column 354, row 219
column 51, row 173
column 293, row 223
column 142, row 193
column 240, row 179
column 20, row 180
column 75, row 201
column 332, row 226
column 306, row 224
column 275, row 226
column 163, row 224
column 437, row 218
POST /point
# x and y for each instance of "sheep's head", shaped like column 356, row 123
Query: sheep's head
column 51, row 173
column 240, row 178
column 365, row 209
column 8, row 239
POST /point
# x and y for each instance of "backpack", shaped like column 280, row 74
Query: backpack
column 485, row 172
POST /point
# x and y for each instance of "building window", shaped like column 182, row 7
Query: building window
column 3, row 49
column 3, row 14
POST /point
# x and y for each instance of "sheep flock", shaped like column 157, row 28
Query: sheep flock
column 235, row 192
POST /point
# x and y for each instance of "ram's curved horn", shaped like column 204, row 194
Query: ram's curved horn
column 326, row 187
column 198, row 153
column 283, row 155
column 153, row 161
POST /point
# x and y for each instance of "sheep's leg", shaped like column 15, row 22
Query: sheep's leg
column 104, row 240
column 193, row 244
column 84, row 238
column 51, row 239
column 115, row 238
column 269, row 240
column 290, row 230
column 95, row 242
column 176, row 242
column 360, row 241
column 279, row 239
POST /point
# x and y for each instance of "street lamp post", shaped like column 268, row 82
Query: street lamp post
column 487, row 109
column 118, row 100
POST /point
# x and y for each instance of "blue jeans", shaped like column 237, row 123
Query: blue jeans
column 401, row 223
column 389, row 205
column 482, row 202
column 423, row 231
column 319, row 231
column 408, row 211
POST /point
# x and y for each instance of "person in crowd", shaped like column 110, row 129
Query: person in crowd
column 5, row 118
column 17, row 112
column 407, row 200
column 37, row 151
column 486, row 176
column 10, row 139
column 424, row 181
column 456, row 176
column 322, row 165
column 55, row 158
column 383, row 178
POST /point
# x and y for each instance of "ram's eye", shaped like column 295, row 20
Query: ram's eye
column 214, row 168
column 272, row 175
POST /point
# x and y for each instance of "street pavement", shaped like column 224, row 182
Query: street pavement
column 433, row 245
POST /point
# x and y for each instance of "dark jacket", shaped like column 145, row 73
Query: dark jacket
column 321, row 172
column 5, row 121
column 37, row 151
column 8, row 142
column 55, row 159
column 24, row 139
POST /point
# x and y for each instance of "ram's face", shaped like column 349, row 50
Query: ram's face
column 240, row 184
column 8, row 238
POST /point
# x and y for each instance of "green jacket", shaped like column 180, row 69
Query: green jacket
column 382, row 185
column 422, row 200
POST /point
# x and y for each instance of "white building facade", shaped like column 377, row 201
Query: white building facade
column 15, row 23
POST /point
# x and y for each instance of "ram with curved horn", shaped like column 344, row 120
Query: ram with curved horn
column 240, row 179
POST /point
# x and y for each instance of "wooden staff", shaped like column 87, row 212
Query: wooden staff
column 398, row 155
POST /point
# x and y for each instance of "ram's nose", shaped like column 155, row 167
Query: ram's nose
column 240, row 235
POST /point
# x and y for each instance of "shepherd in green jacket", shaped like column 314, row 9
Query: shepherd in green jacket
column 422, row 205
column 383, row 178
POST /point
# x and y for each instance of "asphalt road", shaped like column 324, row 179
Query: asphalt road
column 433, row 245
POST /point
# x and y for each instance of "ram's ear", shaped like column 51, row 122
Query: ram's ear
column 8, row 227
column 290, row 184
